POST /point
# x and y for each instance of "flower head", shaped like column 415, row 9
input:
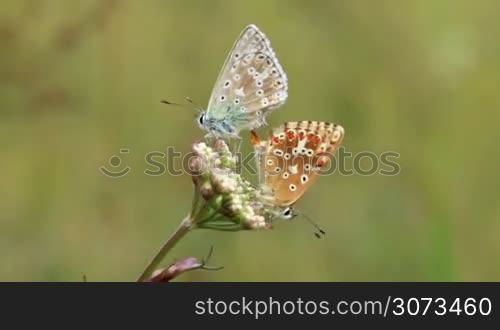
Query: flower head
column 228, row 201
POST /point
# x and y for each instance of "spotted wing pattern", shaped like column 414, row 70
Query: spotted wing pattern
column 295, row 154
column 250, row 84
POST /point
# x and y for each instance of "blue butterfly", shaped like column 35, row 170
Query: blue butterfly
column 250, row 85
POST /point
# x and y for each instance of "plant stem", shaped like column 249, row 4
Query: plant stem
column 182, row 230
column 196, row 200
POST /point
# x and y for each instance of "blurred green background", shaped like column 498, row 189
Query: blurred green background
column 81, row 80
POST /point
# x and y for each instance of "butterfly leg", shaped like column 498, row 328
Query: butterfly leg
column 254, row 138
column 237, row 144
column 235, row 147
column 210, row 138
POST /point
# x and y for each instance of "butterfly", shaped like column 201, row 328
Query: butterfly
column 250, row 85
column 291, row 160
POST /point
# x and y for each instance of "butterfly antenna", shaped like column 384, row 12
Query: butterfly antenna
column 190, row 100
column 315, row 225
column 172, row 103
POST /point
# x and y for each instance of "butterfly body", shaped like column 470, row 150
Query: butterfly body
column 224, row 120
column 292, row 158
column 250, row 85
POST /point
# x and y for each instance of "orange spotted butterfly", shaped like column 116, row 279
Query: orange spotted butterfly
column 291, row 159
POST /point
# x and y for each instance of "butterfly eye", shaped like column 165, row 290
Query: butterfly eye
column 287, row 213
column 201, row 119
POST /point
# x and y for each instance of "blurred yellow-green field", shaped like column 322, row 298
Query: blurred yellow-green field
column 79, row 81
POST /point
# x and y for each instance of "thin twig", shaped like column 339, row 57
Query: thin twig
column 182, row 230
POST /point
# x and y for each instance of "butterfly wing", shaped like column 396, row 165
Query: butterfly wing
column 250, row 84
column 295, row 154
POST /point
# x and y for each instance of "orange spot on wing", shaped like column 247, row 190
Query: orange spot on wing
column 322, row 161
